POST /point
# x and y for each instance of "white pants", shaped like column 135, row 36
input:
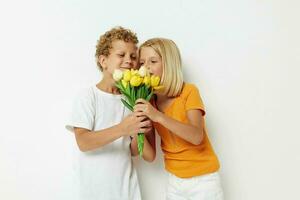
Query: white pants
column 205, row 187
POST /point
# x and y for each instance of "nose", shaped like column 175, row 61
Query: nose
column 128, row 59
column 148, row 68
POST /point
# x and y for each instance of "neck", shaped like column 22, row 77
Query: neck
column 108, row 85
column 161, row 97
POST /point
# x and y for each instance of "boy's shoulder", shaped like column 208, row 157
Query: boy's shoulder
column 85, row 94
column 87, row 91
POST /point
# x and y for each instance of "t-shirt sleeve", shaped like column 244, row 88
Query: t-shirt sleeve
column 194, row 101
column 83, row 111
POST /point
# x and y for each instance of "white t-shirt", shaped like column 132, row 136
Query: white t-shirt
column 106, row 173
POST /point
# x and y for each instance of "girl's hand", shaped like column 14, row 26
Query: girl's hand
column 149, row 130
column 144, row 108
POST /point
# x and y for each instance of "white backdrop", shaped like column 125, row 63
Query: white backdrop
column 243, row 55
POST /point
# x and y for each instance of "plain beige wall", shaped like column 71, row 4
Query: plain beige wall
column 243, row 55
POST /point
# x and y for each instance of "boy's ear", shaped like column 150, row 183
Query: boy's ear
column 102, row 61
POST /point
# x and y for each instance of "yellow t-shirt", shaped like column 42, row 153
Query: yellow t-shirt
column 182, row 158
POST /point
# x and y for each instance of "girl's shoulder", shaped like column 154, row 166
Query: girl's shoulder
column 188, row 88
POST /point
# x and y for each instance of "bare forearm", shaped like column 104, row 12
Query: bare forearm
column 149, row 149
column 187, row 132
column 91, row 140
column 192, row 132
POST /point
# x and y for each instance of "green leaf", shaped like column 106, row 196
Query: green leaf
column 131, row 102
column 149, row 96
column 133, row 94
column 127, row 90
column 138, row 95
column 127, row 104
column 130, row 91
column 147, row 91
column 122, row 87
column 143, row 92
column 118, row 85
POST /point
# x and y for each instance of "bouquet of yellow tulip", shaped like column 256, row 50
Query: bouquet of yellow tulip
column 135, row 84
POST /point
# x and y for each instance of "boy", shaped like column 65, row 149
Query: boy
column 103, row 126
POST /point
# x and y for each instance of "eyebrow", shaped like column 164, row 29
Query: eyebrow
column 121, row 51
column 154, row 57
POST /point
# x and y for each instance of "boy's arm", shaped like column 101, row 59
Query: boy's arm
column 149, row 151
column 89, row 140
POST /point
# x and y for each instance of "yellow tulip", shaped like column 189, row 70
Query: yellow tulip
column 160, row 87
column 147, row 80
column 134, row 72
column 127, row 75
column 155, row 81
column 124, row 83
column 136, row 80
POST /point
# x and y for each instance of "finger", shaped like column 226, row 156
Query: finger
column 138, row 107
column 146, row 119
column 133, row 134
column 140, row 114
column 141, row 101
column 142, row 118
column 142, row 130
column 146, row 123
column 136, row 112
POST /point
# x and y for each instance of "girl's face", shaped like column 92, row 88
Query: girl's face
column 151, row 60
column 123, row 55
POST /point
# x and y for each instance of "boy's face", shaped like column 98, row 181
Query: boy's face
column 123, row 55
column 151, row 60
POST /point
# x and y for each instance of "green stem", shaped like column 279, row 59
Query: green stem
column 140, row 140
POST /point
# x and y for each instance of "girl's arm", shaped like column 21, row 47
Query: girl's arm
column 192, row 132
column 89, row 140
column 149, row 152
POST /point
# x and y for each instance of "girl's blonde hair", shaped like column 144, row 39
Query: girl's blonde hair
column 172, row 76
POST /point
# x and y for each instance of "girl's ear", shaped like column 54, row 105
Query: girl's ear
column 102, row 61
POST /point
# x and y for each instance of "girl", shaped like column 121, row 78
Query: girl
column 103, row 130
column 178, row 117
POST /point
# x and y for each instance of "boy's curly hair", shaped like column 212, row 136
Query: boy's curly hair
column 104, row 44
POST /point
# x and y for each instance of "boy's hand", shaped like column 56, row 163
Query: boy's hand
column 134, row 124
